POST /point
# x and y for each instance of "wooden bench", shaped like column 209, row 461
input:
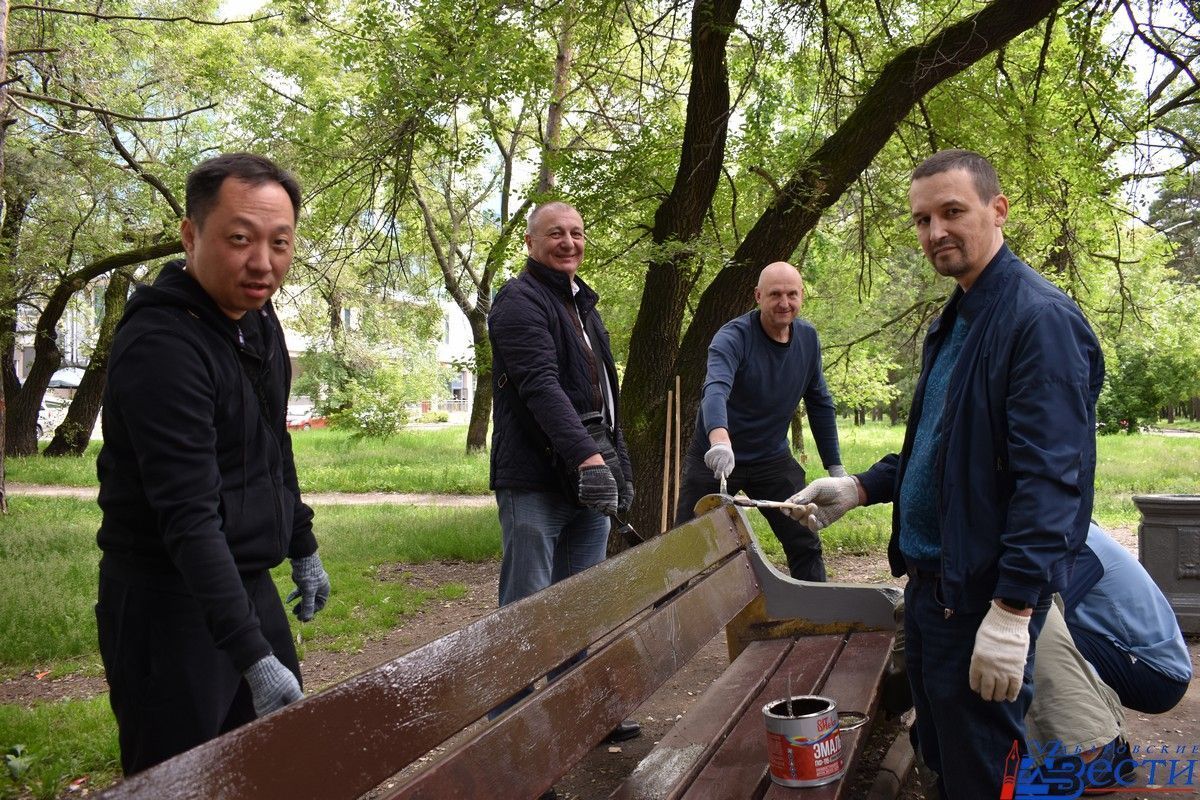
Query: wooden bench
column 410, row 728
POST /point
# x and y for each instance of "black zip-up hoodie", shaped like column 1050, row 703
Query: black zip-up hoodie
column 197, row 481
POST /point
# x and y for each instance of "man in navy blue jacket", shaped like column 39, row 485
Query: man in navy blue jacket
column 559, row 465
column 992, row 491
column 760, row 366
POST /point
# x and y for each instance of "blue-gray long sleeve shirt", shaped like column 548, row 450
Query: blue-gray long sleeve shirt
column 754, row 385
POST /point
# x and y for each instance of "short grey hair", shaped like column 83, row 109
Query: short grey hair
column 538, row 210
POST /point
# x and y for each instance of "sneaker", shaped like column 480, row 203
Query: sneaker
column 1124, row 768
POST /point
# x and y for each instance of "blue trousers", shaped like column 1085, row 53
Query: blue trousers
column 963, row 738
column 1139, row 685
column 546, row 538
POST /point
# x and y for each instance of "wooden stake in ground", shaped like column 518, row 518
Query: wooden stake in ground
column 678, row 451
column 666, row 461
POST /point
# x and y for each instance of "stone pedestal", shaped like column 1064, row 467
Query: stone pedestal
column 1169, row 549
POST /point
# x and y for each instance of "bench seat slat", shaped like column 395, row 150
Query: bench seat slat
column 539, row 740
column 347, row 739
column 681, row 753
column 739, row 767
column 854, row 686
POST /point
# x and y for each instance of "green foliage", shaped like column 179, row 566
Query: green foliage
column 434, row 417
column 1176, row 212
column 367, row 373
column 371, row 407
column 1153, row 360
column 62, row 741
column 17, row 761
column 860, row 380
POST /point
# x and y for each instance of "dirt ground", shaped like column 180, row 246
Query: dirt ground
column 606, row 766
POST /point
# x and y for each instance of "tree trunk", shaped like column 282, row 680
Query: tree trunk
column 21, row 425
column 481, row 403
column 822, row 177
column 13, row 206
column 552, row 140
column 798, row 430
column 6, row 268
column 651, row 369
column 72, row 436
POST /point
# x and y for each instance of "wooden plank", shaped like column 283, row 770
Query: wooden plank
column 854, row 686
column 527, row 749
column 739, row 766
column 673, row 763
column 345, row 740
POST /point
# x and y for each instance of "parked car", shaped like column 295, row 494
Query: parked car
column 51, row 415
column 305, row 419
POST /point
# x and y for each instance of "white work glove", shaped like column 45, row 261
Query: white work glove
column 272, row 685
column 719, row 459
column 837, row 471
column 998, row 661
column 832, row 497
column 312, row 586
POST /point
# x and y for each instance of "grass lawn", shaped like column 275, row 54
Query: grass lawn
column 1180, row 424
column 414, row 460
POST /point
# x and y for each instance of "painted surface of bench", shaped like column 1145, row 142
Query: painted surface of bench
column 413, row 724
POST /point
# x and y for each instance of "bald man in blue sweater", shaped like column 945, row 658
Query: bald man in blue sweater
column 760, row 366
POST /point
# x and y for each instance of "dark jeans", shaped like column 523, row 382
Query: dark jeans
column 170, row 687
column 1139, row 685
column 773, row 479
column 963, row 738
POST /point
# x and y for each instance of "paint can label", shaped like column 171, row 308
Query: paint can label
column 804, row 743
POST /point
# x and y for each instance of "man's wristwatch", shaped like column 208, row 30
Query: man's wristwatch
column 1019, row 605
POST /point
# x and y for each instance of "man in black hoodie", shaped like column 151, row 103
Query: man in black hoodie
column 197, row 481
column 559, row 463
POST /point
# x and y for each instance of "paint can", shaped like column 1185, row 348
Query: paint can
column 804, row 742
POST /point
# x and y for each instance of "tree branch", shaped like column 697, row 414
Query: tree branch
column 131, row 18
column 136, row 166
column 41, row 98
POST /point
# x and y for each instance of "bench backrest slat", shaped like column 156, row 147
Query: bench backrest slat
column 347, row 739
column 526, row 749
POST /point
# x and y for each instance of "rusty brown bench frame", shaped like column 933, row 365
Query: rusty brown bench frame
column 643, row 614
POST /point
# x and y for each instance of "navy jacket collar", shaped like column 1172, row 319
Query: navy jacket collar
column 560, row 282
column 990, row 281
